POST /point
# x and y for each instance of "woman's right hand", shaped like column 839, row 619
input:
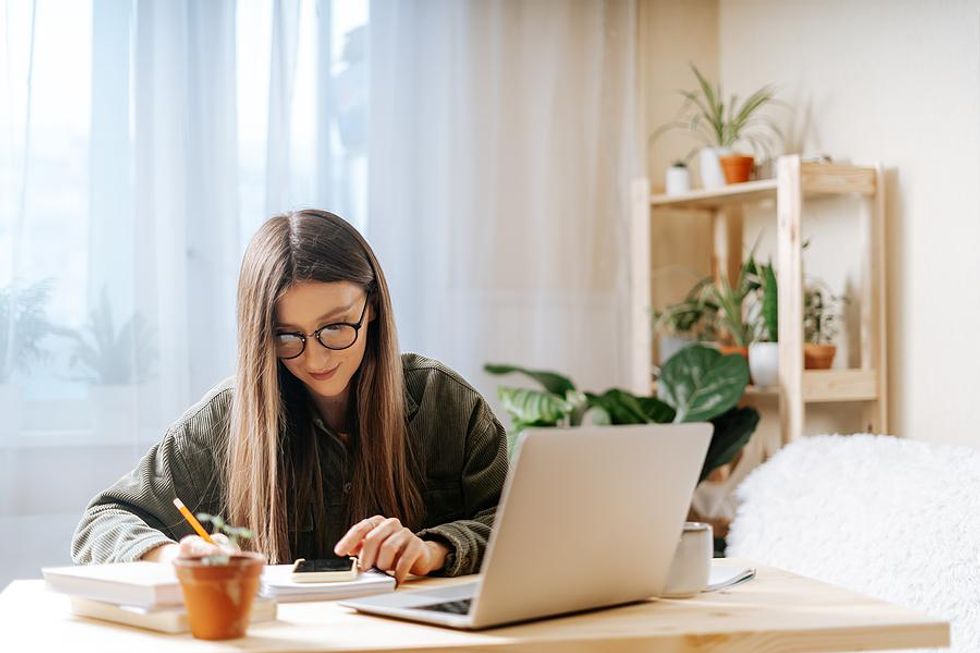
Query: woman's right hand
column 191, row 546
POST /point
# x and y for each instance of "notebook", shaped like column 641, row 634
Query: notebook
column 724, row 577
column 171, row 619
column 277, row 584
column 138, row 584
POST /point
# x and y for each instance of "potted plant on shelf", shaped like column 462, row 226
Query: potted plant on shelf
column 23, row 326
column 219, row 589
column 729, row 305
column 764, row 350
column 722, row 127
column 821, row 323
column 689, row 321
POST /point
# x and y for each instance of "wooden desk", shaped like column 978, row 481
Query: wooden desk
column 777, row 611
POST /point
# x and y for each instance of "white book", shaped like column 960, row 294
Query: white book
column 276, row 583
column 141, row 584
column 164, row 620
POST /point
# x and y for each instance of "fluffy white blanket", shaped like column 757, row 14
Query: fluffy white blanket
column 892, row 518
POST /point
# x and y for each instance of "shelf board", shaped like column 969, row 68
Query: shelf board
column 750, row 191
column 817, row 179
column 839, row 385
column 824, row 386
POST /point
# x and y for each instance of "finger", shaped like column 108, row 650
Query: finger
column 374, row 539
column 194, row 546
column 357, row 532
column 391, row 547
column 411, row 555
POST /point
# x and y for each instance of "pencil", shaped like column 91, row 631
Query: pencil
column 193, row 521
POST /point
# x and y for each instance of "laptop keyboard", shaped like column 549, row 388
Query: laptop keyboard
column 452, row 607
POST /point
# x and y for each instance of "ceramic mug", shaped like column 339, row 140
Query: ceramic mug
column 691, row 566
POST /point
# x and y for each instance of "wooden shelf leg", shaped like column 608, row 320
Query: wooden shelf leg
column 789, row 200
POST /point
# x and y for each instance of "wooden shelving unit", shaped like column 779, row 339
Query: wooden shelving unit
column 795, row 182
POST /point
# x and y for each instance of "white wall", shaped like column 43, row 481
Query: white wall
column 897, row 81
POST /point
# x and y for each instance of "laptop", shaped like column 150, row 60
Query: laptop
column 589, row 517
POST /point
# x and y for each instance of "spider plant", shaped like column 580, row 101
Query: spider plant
column 724, row 125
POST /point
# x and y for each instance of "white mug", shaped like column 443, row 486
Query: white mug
column 691, row 566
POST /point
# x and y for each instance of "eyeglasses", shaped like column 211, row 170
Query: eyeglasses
column 336, row 336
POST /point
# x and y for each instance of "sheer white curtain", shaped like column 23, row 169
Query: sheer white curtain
column 142, row 143
column 501, row 150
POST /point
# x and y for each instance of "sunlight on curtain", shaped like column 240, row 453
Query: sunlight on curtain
column 141, row 144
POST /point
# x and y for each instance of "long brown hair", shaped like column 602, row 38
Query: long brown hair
column 273, row 476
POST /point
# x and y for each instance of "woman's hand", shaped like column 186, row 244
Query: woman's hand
column 191, row 546
column 389, row 546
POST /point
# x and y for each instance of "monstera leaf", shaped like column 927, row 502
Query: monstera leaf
column 550, row 381
column 700, row 384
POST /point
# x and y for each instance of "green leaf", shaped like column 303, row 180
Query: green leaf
column 770, row 302
column 700, row 384
column 623, row 407
column 551, row 381
column 658, row 411
column 733, row 430
column 533, row 406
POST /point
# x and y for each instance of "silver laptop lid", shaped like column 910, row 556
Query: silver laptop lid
column 589, row 516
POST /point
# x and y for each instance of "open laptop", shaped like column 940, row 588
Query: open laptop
column 589, row 517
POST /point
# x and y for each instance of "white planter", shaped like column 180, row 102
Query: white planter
column 114, row 412
column 678, row 180
column 764, row 363
column 670, row 345
column 712, row 176
column 11, row 409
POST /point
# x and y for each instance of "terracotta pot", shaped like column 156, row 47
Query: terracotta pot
column 734, row 349
column 818, row 357
column 219, row 597
column 737, row 167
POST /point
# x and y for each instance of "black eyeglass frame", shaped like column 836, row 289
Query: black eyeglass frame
column 316, row 334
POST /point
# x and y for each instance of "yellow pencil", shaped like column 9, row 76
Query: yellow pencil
column 192, row 520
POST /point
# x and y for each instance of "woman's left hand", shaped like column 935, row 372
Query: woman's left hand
column 386, row 544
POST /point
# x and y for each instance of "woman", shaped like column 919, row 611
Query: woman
column 326, row 440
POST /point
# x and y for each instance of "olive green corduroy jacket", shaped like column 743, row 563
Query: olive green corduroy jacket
column 463, row 452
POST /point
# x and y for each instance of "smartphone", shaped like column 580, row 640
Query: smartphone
column 324, row 570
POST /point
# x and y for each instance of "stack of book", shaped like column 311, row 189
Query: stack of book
column 142, row 594
column 148, row 594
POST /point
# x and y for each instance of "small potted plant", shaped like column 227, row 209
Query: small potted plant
column 729, row 304
column 722, row 127
column 764, row 350
column 689, row 321
column 821, row 323
column 219, row 589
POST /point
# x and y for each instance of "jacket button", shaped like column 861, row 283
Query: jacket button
column 347, row 487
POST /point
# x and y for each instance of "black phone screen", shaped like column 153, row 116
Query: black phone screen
column 325, row 564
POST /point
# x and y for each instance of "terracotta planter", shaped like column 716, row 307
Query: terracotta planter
column 734, row 349
column 737, row 167
column 818, row 357
column 219, row 597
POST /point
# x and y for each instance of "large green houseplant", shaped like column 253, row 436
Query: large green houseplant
column 698, row 384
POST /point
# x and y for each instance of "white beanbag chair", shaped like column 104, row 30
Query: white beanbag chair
column 891, row 518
